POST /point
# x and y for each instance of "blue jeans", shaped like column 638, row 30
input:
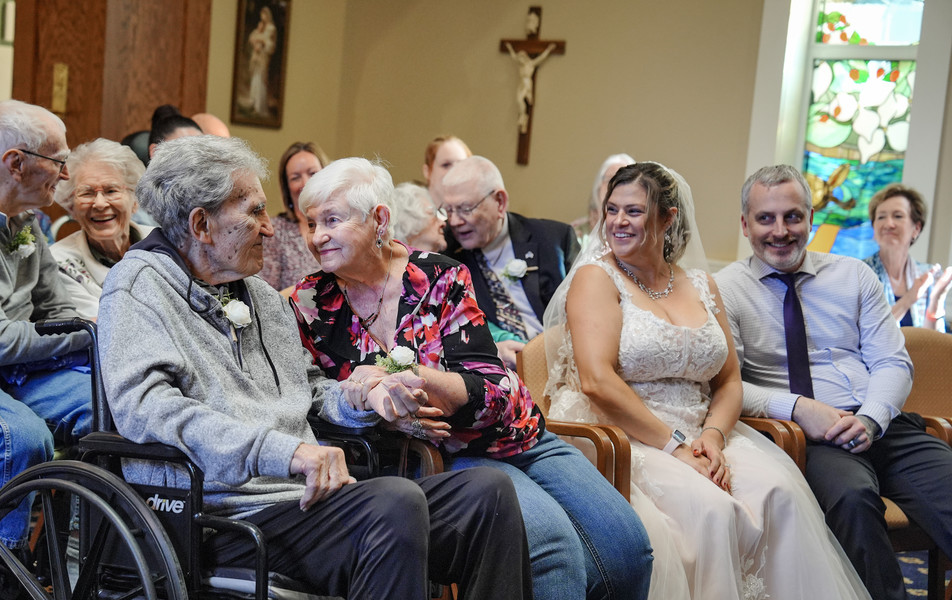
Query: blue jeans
column 50, row 405
column 585, row 540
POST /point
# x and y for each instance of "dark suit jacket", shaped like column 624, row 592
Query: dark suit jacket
column 550, row 246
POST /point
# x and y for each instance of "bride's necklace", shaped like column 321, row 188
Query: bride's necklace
column 651, row 293
column 373, row 316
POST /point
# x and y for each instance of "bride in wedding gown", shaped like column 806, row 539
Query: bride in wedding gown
column 638, row 339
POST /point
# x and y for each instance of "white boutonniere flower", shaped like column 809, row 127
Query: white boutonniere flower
column 516, row 269
column 399, row 359
column 23, row 243
column 237, row 312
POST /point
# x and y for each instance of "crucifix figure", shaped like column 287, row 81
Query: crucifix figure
column 529, row 54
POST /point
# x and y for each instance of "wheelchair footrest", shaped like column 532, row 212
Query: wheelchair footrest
column 240, row 580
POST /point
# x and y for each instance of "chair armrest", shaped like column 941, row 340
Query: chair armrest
column 790, row 439
column 940, row 427
column 607, row 460
column 619, row 438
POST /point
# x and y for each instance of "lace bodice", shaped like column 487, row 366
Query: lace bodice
column 669, row 366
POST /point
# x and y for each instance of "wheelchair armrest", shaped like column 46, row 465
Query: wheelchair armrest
column 363, row 437
column 111, row 443
column 257, row 537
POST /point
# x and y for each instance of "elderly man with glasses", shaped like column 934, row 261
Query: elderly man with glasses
column 516, row 262
column 42, row 397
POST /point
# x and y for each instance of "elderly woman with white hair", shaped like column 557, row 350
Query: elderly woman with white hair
column 201, row 355
column 416, row 220
column 379, row 309
column 100, row 196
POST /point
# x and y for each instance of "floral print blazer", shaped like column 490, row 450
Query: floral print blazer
column 439, row 320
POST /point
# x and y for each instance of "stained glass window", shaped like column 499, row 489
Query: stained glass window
column 863, row 22
column 857, row 124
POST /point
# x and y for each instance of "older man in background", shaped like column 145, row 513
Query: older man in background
column 516, row 262
column 42, row 398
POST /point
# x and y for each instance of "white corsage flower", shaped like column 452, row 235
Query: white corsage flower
column 399, row 359
column 237, row 312
column 23, row 243
column 516, row 269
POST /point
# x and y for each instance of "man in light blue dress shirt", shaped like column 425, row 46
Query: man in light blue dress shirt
column 860, row 443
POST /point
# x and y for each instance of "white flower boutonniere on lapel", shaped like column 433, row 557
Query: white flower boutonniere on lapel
column 517, row 268
column 237, row 312
column 23, row 243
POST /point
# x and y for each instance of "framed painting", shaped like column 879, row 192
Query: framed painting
column 261, row 48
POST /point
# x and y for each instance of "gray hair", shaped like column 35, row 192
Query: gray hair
column 362, row 183
column 594, row 202
column 772, row 176
column 102, row 152
column 477, row 170
column 22, row 125
column 194, row 172
column 413, row 209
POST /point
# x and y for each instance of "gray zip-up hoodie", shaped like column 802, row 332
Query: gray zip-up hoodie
column 235, row 401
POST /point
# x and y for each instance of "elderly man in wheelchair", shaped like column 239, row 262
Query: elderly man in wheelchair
column 199, row 355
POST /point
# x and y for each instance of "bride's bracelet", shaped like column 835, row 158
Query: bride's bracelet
column 718, row 430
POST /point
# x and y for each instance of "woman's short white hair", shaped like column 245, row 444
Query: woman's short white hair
column 362, row 184
column 100, row 152
column 622, row 160
column 197, row 171
column 412, row 210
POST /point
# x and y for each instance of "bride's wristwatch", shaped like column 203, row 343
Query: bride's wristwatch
column 677, row 439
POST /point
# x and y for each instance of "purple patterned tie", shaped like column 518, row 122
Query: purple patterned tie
column 507, row 316
column 798, row 359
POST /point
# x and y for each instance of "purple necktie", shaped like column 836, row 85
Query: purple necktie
column 798, row 359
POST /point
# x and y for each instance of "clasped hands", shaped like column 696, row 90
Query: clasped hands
column 399, row 398
column 823, row 423
column 707, row 458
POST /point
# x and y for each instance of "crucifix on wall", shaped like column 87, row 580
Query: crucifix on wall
column 529, row 54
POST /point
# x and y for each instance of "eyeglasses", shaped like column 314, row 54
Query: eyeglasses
column 88, row 195
column 463, row 211
column 61, row 163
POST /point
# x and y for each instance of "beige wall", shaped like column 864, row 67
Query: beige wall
column 671, row 82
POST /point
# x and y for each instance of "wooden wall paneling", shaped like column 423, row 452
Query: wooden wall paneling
column 198, row 24
column 24, row 51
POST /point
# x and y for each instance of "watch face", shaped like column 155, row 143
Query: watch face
column 680, row 437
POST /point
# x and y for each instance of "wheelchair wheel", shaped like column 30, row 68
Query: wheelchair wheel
column 125, row 553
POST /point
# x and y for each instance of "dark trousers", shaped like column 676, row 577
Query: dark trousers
column 386, row 537
column 906, row 465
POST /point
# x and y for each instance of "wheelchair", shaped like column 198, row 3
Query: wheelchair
column 95, row 536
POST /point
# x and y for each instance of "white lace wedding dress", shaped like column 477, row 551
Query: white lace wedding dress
column 766, row 540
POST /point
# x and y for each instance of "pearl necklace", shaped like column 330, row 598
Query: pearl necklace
column 651, row 293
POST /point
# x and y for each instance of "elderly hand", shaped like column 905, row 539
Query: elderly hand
column 851, row 434
column 325, row 471
column 397, row 395
column 356, row 388
column 422, row 425
column 719, row 471
column 507, row 351
column 816, row 418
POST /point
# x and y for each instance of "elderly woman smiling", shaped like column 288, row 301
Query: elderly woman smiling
column 374, row 300
column 99, row 195
column 233, row 390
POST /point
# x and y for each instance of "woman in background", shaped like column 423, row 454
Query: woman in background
column 416, row 221
column 100, row 196
column 584, row 226
column 916, row 291
column 286, row 256
column 441, row 153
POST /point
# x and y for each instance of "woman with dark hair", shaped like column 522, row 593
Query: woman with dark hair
column 167, row 124
column 916, row 291
column 286, row 255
